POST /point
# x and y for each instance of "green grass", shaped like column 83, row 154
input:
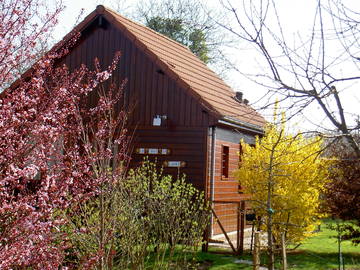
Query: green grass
column 321, row 252
column 223, row 262
column 317, row 252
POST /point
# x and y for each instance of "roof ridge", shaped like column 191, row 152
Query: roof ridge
column 195, row 77
column 106, row 11
column 141, row 25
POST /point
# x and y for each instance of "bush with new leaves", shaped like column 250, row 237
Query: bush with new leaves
column 152, row 222
column 158, row 214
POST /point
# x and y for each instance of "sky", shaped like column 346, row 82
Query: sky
column 295, row 18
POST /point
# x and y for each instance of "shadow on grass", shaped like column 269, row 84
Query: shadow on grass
column 320, row 260
column 297, row 260
column 220, row 262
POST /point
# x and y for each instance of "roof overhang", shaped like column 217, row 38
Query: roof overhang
column 232, row 122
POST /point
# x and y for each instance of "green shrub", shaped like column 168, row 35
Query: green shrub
column 149, row 221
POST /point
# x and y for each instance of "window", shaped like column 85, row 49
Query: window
column 240, row 153
column 225, row 161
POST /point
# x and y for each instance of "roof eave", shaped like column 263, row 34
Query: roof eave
column 229, row 121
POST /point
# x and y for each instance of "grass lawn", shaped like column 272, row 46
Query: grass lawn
column 318, row 252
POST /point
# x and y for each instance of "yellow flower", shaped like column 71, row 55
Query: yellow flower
column 290, row 169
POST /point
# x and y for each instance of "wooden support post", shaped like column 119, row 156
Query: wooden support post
column 224, row 231
column 242, row 228
column 256, row 251
column 283, row 251
column 238, row 228
column 206, row 238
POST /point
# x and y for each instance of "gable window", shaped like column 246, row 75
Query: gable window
column 225, row 161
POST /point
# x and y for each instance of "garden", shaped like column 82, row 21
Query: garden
column 319, row 251
column 68, row 199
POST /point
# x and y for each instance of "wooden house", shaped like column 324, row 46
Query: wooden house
column 182, row 113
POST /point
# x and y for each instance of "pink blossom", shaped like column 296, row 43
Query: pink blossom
column 44, row 165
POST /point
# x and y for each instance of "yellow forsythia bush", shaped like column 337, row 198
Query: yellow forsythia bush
column 285, row 176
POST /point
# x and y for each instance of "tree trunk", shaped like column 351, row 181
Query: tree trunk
column 271, row 257
column 256, row 252
column 283, row 252
column 102, row 232
column 270, row 211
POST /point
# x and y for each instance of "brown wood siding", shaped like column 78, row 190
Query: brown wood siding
column 149, row 92
column 226, row 189
column 186, row 144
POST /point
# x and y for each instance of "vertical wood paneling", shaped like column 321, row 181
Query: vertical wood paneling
column 153, row 93
column 136, row 85
column 107, row 52
column 182, row 107
column 170, row 104
column 121, row 71
column 89, row 45
column 164, row 96
column 127, row 56
column 186, row 145
column 77, row 58
column 227, row 189
column 205, row 118
column 176, row 105
column 160, row 94
column 141, row 89
column 100, row 48
column 148, row 84
column 95, row 46
column 133, row 77
column 195, row 113
column 187, row 110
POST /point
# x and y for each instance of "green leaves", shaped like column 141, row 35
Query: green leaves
column 147, row 216
column 175, row 212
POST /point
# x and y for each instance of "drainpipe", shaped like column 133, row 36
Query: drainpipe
column 212, row 173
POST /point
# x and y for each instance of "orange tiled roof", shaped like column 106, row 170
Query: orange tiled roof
column 186, row 68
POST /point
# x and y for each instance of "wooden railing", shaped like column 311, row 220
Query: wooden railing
column 237, row 245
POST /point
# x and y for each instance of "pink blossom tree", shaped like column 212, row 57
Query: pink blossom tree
column 47, row 159
column 25, row 24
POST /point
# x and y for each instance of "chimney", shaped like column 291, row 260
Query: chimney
column 246, row 102
column 239, row 96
